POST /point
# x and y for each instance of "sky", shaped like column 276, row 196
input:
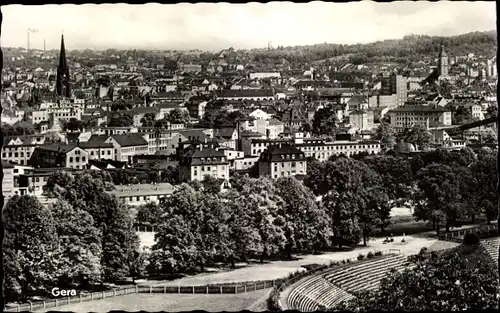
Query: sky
column 216, row 26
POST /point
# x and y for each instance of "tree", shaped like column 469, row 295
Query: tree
column 484, row 172
column 29, row 247
column 72, row 125
column 387, row 136
column 304, row 219
column 120, row 241
column 18, row 129
column 174, row 249
column 170, row 175
column 176, row 116
column 138, row 264
column 418, row 136
column 149, row 214
column 121, row 120
column 110, row 216
column 243, row 240
column 79, row 247
column 148, row 120
column 259, row 197
column 324, row 121
column 396, row 175
column 454, row 281
column 121, row 105
column 180, row 250
column 439, row 198
column 347, row 186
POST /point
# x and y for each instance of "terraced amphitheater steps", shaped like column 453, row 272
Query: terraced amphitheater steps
column 491, row 246
column 315, row 293
column 365, row 274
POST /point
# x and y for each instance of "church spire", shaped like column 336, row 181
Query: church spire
column 62, row 86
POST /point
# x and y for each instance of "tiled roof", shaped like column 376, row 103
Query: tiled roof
column 274, row 122
column 168, row 105
column 224, row 132
column 420, row 109
column 278, row 153
column 94, row 145
column 64, row 148
column 143, row 190
column 245, row 93
column 211, row 156
column 130, row 140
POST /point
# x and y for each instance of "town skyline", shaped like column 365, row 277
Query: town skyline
column 204, row 26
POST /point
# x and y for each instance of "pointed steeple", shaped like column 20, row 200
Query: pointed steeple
column 62, row 86
column 62, row 54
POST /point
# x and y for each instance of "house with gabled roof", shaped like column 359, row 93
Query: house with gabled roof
column 128, row 145
column 199, row 162
column 59, row 155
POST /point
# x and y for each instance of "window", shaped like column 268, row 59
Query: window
column 102, row 152
column 22, row 154
column 77, row 159
column 202, row 168
column 28, row 154
column 208, row 168
column 195, row 172
column 131, row 199
column 293, row 164
column 138, row 198
column 109, row 152
column 83, row 159
column 16, row 171
column 282, row 164
column 91, row 152
column 70, row 159
column 4, row 155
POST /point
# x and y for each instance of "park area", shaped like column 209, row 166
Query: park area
column 254, row 300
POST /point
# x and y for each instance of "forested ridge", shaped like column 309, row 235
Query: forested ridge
column 408, row 49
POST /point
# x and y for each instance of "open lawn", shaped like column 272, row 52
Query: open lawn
column 173, row 303
column 280, row 269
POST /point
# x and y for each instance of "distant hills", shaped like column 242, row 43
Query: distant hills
column 409, row 48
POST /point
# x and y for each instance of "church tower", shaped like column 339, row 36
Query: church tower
column 62, row 86
column 443, row 63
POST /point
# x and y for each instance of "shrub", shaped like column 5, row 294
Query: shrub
column 361, row 257
column 378, row 253
column 370, row 255
column 471, row 239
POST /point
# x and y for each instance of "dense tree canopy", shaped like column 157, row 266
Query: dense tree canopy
column 120, row 120
column 29, row 248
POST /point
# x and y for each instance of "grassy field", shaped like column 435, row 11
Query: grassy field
column 173, row 303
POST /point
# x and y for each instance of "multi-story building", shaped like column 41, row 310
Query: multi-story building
column 425, row 116
column 59, row 155
column 395, row 85
column 318, row 148
column 322, row 150
column 19, row 149
column 140, row 194
column 98, row 150
column 162, row 141
column 282, row 161
column 127, row 146
column 199, row 162
column 361, row 119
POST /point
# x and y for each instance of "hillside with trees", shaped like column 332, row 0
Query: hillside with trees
column 408, row 49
